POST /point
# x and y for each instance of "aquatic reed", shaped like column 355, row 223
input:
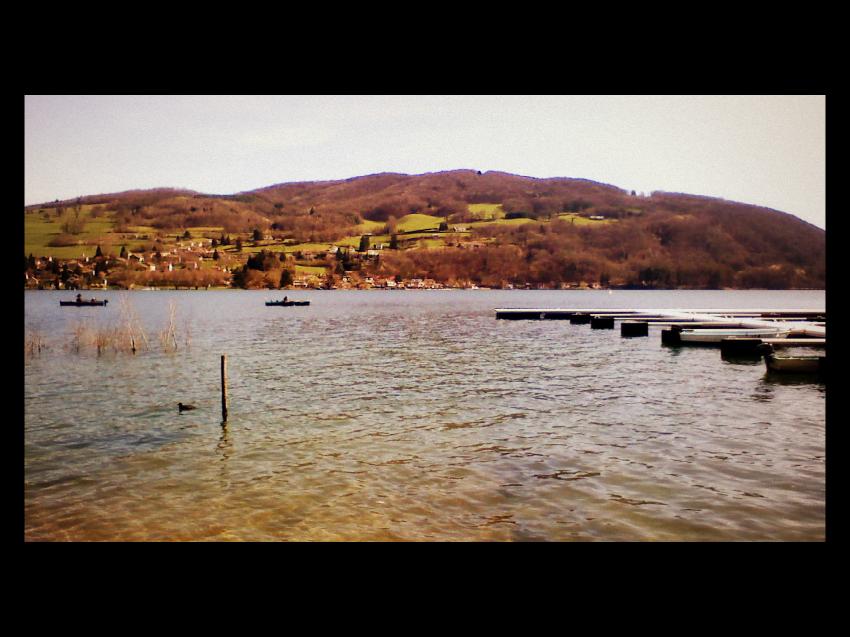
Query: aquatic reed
column 85, row 336
column 34, row 342
column 168, row 335
column 187, row 332
column 80, row 336
column 121, row 334
column 130, row 335
column 102, row 337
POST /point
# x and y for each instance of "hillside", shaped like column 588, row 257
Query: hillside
column 455, row 228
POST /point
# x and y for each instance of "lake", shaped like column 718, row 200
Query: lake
column 411, row 415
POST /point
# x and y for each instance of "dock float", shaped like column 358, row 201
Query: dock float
column 743, row 346
column 634, row 328
column 601, row 322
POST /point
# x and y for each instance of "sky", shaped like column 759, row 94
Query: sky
column 763, row 150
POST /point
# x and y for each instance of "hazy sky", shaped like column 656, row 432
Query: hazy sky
column 765, row 150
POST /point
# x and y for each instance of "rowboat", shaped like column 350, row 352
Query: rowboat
column 286, row 303
column 80, row 303
column 795, row 364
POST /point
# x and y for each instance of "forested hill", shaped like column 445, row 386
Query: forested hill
column 495, row 228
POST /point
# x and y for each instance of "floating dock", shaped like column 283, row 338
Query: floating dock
column 511, row 313
column 738, row 332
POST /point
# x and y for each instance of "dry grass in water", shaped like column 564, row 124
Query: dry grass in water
column 103, row 337
column 168, row 335
column 81, row 336
column 187, row 332
column 130, row 336
column 122, row 335
column 85, row 336
column 34, row 342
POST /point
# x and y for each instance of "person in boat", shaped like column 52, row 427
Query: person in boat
column 79, row 298
column 285, row 299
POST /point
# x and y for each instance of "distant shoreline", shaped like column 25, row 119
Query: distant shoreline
column 445, row 289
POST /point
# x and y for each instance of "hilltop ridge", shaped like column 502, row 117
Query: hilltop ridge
column 485, row 228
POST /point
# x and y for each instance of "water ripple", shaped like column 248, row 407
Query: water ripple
column 399, row 416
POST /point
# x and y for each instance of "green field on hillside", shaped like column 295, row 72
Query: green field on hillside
column 307, row 247
column 370, row 227
column 271, row 247
column 571, row 217
column 309, row 269
column 202, row 231
column 38, row 232
column 497, row 222
column 148, row 230
column 430, row 243
column 414, row 222
column 353, row 242
column 418, row 235
column 485, row 211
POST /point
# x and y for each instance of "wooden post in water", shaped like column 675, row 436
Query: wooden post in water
column 224, row 388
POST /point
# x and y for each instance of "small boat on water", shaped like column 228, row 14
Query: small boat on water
column 795, row 364
column 80, row 302
column 286, row 303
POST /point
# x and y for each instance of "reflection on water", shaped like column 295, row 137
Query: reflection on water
column 742, row 359
column 776, row 378
column 762, row 392
column 224, row 443
column 416, row 416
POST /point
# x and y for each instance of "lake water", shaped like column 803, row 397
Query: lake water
column 413, row 415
